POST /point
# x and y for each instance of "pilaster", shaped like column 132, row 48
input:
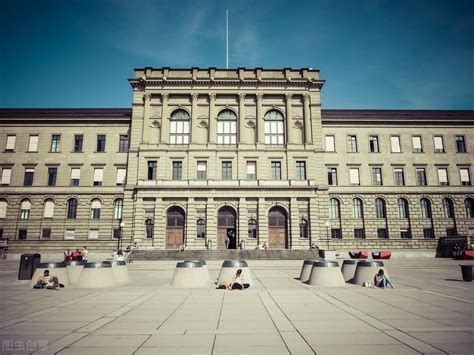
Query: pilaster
column 243, row 221
column 307, row 120
column 293, row 228
column 260, row 120
column 212, row 118
column 242, row 138
column 289, row 118
column 194, row 117
column 262, row 221
column 211, row 222
column 165, row 122
column 146, row 117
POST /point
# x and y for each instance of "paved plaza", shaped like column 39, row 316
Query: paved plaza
column 430, row 311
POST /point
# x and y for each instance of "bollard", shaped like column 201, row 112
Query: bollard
column 366, row 270
column 189, row 274
column 348, row 269
column 55, row 269
column 74, row 270
column 326, row 273
column 119, row 270
column 230, row 267
column 96, row 275
column 306, row 270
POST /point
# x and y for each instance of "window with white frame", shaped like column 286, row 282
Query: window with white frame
column 448, row 208
column 6, row 176
column 251, row 170
column 330, row 144
column 380, row 208
column 226, row 127
column 75, row 176
column 11, row 142
column 395, row 144
column 443, row 176
column 403, row 208
column 465, row 176
column 98, row 176
column 274, row 128
column 55, row 143
column 202, row 170
column 3, row 208
column 438, row 144
column 121, row 173
column 374, row 144
column 425, row 206
column 48, row 209
column 332, row 176
column 179, row 127
column 357, row 208
column 33, row 144
column 399, row 177
column 96, row 205
column 354, row 176
column 417, row 146
column 93, row 234
column 25, row 209
column 352, row 144
column 70, row 234
column 377, row 176
column 334, row 208
column 421, row 177
column 118, row 208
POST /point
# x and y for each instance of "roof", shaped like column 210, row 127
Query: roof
column 65, row 112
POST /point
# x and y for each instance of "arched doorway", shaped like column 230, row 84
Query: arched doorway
column 175, row 218
column 226, row 233
column 277, row 226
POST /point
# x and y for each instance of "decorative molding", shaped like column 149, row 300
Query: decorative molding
column 212, row 96
column 146, row 97
column 242, row 97
column 298, row 124
column 194, row 96
column 259, row 97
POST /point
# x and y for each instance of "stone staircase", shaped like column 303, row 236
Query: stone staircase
column 227, row 254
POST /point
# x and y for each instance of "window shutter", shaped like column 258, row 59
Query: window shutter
column 11, row 140
column 33, row 147
column 48, row 209
column 121, row 172
column 416, row 143
column 464, row 175
column 442, row 175
column 98, row 174
column 354, row 176
column 438, row 141
column 330, row 144
column 6, row 176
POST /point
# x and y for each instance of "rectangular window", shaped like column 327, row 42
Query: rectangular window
column 332, row 176
column 121, row 173
column 465, row 176
column 29, row 176
column 202, row 170
column 395, row 144
column 251, row 170
column 75, row 176
column 46, row 233
column 451, row 232
column 443, row 176
column 22, row 234
column 351, row 144
column 438, row 144
column 177, row 170
column 152, row 168
column 300, row 170
column 336, row 233
column 276, row 170
column 70, row 234
column 382, row 233
column 405, row 234
column 78, row 141
column 6, row 176
column 226, row 170
column 417, row 146
column 374, row 144
column 93, row 234
column 461, row 144
column 33, row 145
column 11, row 141
column 55, row 143
column 354, row 176
column 359, row 233
column 330, row 144
column 421, row 177
column 377, row 176
column 123, row 143
column 98, row 176
column 52, row 175
column 101, row 143
column 399, row 177
column 428, row 233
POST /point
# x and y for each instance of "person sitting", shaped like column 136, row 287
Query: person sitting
column 67, row 255
column 42, row 280
column 380, row 280
column 85, row 254
column 238, row 282
column 53, row 283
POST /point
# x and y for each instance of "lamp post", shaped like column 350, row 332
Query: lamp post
column 119, row 239
column 327, row 233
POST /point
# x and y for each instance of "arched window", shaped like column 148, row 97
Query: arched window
column 425, row 206
column 72, row 208
column 25, row 209
column 469, row 206
column 3, row 208
column 303, row 228
column 118, row 208
column 226, row 127
column 274, row 128
column 201, row 228
column 357, row 208
column 334, row 208
column 252, row 228
column 380, row 208
column 149, row 228
column 179, row 127
column 48, row 208
column 403, row 208
column 448, row 208
column 95, row 208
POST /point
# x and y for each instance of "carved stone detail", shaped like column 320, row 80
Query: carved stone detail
column 146, row 97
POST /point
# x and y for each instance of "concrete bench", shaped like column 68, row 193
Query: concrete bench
column 119, row 270
column 348, row 269
column 96, row 275
column 383, row 254
column 74, row 270
column 366, row 270
column 361, row 254
column 306, row 270
column 229, row 269
column 55, row 269
column 326, row 273
column 189, row 274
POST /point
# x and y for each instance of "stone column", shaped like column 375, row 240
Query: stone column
column 294, row 228
column 211, row 222
column 262, row 221
column 159, row 237
column 212, row 118
column 243, row 221
column 146, row 118
column 289, row 117
column 191, row 229
column 242, row 138
column 260, row 120
column 307, row 120
column 165, row 122
column 194, row 117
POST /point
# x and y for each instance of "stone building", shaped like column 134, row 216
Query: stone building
column 213, row 158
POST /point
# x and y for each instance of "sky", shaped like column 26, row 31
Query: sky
column 373, row 54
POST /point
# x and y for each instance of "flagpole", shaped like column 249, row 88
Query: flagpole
column 227, row 39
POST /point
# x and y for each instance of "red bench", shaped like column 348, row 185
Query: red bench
column 468, row 255
column 383, row 254
column 361, row 254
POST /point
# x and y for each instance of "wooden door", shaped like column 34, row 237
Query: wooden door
column 174, row 228
column 277, row 226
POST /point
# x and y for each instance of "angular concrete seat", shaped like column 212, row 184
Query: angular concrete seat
column 189, row 274
column 119, row 270
column 348, row 269
column 326, row 273
column 306, row 270
column 229, row 269
column 366, row 270
column 55, row 269
column 96, row 275
column 74, row 270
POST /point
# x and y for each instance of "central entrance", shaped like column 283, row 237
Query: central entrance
column 175, row 218
column 226, row 233
column 277, row 228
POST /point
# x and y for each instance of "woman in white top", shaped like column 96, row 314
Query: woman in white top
column 238, row 281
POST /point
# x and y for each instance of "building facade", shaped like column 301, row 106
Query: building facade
column 211, row 158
